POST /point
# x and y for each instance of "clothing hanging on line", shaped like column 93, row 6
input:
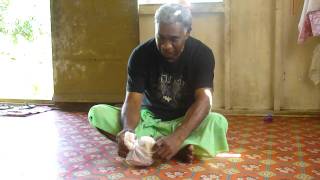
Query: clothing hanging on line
column 309, row 24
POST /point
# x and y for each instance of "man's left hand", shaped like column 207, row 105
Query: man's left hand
column 166, row 147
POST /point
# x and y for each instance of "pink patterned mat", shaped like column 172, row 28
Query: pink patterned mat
column 62, row 145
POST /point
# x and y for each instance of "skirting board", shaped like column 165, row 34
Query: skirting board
column 83, row 98
column 282, row 112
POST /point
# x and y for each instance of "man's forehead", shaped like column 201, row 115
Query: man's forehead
column 175, row 24
column 168, row 36
column 174, row 29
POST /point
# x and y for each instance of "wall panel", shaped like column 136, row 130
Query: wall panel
column 92, row 41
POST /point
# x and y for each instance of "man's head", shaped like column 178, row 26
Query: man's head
column 172, row 29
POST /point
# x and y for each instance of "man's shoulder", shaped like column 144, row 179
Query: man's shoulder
column 143, row 52
column 196, row 44
column 148, row 45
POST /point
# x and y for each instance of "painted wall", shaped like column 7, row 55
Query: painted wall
column 298, row 91
column 92, row 41
column 260, row 67
column 251, row 54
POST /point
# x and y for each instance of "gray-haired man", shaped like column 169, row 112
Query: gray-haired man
column 169, row 93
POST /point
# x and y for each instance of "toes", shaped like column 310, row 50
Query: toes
column 190, row 158
column 186, row 154
column 190, row 149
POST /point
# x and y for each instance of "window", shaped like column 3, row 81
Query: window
column 168, row 1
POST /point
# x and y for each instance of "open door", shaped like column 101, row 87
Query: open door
column 25, row 50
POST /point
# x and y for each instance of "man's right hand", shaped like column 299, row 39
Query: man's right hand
column 130, row 117
column 122, row 148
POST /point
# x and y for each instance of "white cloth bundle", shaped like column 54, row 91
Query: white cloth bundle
column 140, row 150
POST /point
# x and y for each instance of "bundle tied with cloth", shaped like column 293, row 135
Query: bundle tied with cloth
column 140, row 150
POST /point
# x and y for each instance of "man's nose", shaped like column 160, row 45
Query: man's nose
column 167, row 45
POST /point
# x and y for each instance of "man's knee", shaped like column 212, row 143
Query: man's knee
column 105, row 117
column 100, row 111
column 93, row 113
column 218, row 119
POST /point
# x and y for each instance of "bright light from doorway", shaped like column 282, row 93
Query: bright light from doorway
column 25, row 50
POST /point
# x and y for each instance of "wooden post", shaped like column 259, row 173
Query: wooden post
column 227, row 54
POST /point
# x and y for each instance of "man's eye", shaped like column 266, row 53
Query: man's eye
column 175, row 39
column 160, row 39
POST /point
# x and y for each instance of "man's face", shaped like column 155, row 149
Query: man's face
column 170, row 39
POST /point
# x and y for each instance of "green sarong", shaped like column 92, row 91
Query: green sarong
column 209, row 138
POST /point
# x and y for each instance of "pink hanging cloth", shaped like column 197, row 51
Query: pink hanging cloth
column 309, row 24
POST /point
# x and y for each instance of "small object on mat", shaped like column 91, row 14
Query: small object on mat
column 268, row 118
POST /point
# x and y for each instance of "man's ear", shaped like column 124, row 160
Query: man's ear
column 189, row 30
column 188, row 33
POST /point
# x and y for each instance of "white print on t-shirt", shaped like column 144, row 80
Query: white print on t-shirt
column 170, row 89
column 167, row 98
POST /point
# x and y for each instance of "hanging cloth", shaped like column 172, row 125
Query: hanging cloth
column 309, row 24
column 314, row 71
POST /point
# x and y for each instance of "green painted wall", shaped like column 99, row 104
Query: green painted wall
column 92, row 41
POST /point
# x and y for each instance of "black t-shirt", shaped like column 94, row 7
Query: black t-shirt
column 169, row 88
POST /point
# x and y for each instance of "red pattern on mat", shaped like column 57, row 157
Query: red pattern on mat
column 287, row 148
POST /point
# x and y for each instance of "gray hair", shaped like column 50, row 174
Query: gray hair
column 173, row 13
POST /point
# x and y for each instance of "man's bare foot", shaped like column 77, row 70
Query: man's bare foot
column 185, row 154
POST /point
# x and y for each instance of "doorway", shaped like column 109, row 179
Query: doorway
column 25, row 50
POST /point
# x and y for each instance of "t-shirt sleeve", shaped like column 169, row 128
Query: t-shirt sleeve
column 204, row 69
column 136, row 73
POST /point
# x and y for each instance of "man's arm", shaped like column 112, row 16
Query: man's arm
column 130, row 117
column 195, row 114
column 167, row 147
column 130, row 113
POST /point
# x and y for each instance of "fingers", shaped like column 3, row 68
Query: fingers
column 164, row 154
column 122, row 154
column 158, row 144
column 155, row 149
column 122, row 148
column 162, row 150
